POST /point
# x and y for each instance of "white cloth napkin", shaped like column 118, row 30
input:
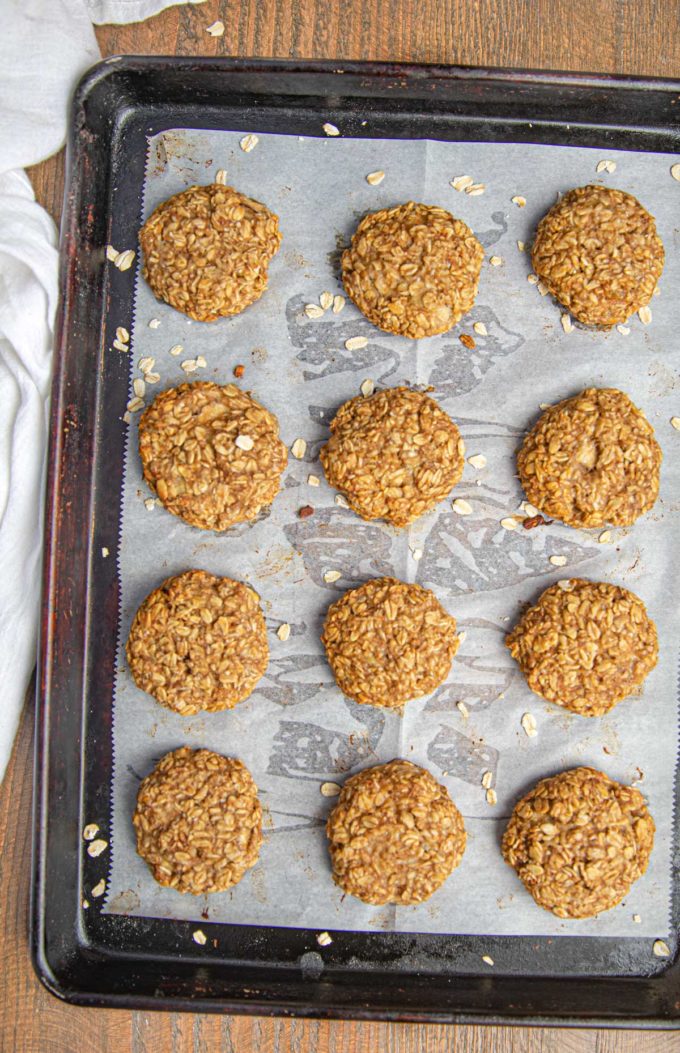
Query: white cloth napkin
column 45, row 45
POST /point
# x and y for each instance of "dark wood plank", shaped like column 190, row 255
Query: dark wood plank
column 616, row 36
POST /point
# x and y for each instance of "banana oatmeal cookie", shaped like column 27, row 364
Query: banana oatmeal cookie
column 211, row 453
column 388, row 642
column 590, row 460
column 198, row 821
column 578, row 841
column 207, row 250
column 198, row 642
column 598, row 252
column 413, row 269
column 394, row 835
column 393, row 454
column 585, row 645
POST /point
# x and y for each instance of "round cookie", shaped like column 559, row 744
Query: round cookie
column 198, row 821
column 394, row 835
column 598, row 252
column 198, row 642
column 394, row 455
column 585, row 645
column 206, row 251
column 388, row 642
column 413, row 269
column 590, row 460
column 578, row 841
column 211, row 453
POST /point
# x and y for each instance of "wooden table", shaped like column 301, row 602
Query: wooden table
column 618, row 36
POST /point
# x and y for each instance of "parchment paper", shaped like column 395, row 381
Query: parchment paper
column 297, row 730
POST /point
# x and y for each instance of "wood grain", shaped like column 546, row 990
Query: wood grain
column 617, row 36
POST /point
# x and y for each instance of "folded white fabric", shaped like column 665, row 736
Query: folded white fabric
column 45, row 46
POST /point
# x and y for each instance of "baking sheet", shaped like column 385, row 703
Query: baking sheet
column 297, row 730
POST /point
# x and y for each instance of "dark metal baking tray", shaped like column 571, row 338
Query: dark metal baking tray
column 92, row 958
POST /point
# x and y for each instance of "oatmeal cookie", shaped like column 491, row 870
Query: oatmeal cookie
column 590, row 460
column 393, row 454
column 413, row 269
column 388, row 642
column 578, row 841
column 206, row 251
column 394, row 835
column 585, row 645
column 198, row 642
column 198, row 821
column 598, row 252
column 211, row 453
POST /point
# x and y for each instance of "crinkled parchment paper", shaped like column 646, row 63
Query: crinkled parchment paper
column 297, row 731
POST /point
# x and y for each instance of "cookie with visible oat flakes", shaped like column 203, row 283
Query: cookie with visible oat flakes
column 585, row 645
column 578, row 841
column 590, row 460
column 211, row 453
column 198, row 642
column 388, row 642
column 393, row 454
column 599, row 254
column 413, row 269
column 206, row 251
column 198, row 821
column 394, row 835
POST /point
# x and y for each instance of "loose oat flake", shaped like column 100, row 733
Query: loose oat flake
column 462, row 507
column 520, row 246
column 95, row 848
column 329, row 789
column 99, row 889
column 244, row 442
column 496, row 261
column 480, row 329
column 623, row 330
column 606, row 166
column 124, row 260
column 675, row 423
column 221, row 177
column 491, row 797
column 90, row 832
column 135, row 404
column 326, row 300
column 566, row 323
column 675, row 172
column 150, row 504
column 341, row 501
column 374, row 178
column 519, row 200
column 152, row 378
column 478, row 461
column 475, row 190
column 122, row 334
column 487, row 779
column 509, row 523
column 605, row 537
column 313, row 480
column 105, row 552
column 532, row 279
column 189, row 365
column 331, row 576
column 120, row 346
column 368, row 387
column 416, row 554
column 139, row 387
column 154, row 323
column 201, row 362
column 528, row 723
column 111, row 253
column 199, row 937
column 330, row 129
column 356, row 343
column 176, row 349
column 146, row 364
column 338, row 304
column 312, row 310
column 487, row 959
column 462, row 182
column 542, row 288
column 661, row 949
column 645, row 315
column 299, row 449
column 637, row 919
column 558, row 561
column 248, row 143
column 324, row 939
column 216, row 29
column 283, row 632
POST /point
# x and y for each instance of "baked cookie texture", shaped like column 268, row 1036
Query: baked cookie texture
column 585, row 645
column 198, row 642
column 206, row 251
column 211, row 453
column 198, row 821
column 598, row 252
column 394, row 835
column 413, row 269
column 388, row 642
column 578, row 841
column 590, row 460
column 393, row 455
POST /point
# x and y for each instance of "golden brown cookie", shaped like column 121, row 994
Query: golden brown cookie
column 395, row 835
column 211, row 453
column 388, row 642
column 413, row 269
column 585, row 645
column 206, row 251
column 393, row 454
column 578, row 841
column 198, row 821
column 598, row 252
column 198, row 642
column 590, row 460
